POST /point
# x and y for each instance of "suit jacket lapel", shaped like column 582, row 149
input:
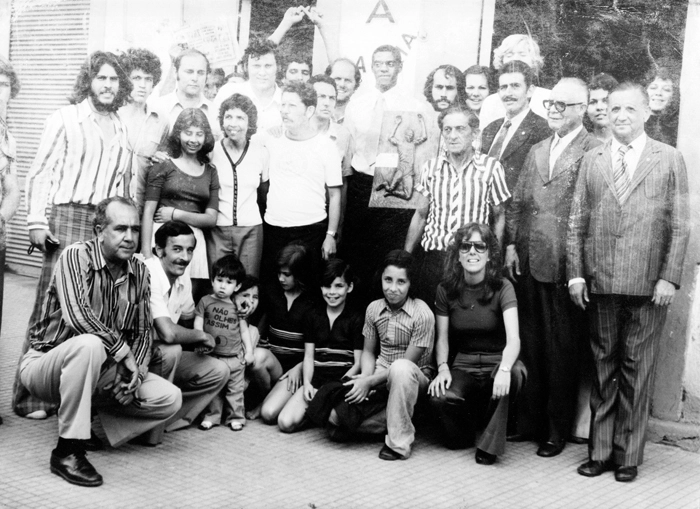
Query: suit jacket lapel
column 604, row 165
column 490, row 135
column 520, row 136
column 542, row 159
column 572, row 153
column 647, row 161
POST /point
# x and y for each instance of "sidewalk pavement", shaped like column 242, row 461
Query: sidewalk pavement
column 261, row 467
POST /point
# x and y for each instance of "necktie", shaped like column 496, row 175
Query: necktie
column 553, row 154
column 620, row 174
column 497, row 144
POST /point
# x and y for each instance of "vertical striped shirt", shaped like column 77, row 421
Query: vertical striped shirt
column 413, row 324
column 83, row 298
column 8, row 157
column 74, row 164
column 459, row 196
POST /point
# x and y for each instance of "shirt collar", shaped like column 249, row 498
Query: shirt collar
column 98, row 258
column 517, row 119
column 204, row 104
column 85, row 111
column 568, row 138
column 474, row 159
column 156, row 269
column 409, row 307
column 637, row 144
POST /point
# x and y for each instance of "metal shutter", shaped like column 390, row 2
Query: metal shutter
column 48, row 43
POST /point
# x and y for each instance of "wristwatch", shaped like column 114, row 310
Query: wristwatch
column 332, row 234
column 505, row 369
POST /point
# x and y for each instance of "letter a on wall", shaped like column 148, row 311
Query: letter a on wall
column 386, row 14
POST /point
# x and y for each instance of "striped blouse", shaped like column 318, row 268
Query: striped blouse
column 459, row 196
column 285, row 334
column 73, row 164
column 84, row 299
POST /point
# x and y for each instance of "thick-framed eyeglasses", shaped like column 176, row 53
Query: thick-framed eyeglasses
column 466, row 246
column 560, row 106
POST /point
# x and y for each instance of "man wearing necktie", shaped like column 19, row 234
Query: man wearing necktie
column 552, row 328
column 628, row 233
column 509, row 139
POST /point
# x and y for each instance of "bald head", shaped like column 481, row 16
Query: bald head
column 567, row 106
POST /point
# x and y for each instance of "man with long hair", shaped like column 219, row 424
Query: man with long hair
column 80, row 161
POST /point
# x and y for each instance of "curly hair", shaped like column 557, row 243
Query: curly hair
column 257, row 48
column 143, row 60
column 510, row 43
column 472, row 119
column 89, row 70
column 450, row 72
column 243, row 103
column 388, row 48
column 6, row 69
column 191, row 117
column 666, row 72
column 305, row 91
column 358, row 74
column 453, row 273
column 602, row 81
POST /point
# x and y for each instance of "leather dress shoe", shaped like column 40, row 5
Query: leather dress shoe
column 594, row 468
column 484, row 458
column 578, row 440
column 551, row 448
column 625, row 474
column 389, row 454
column 76, row 469
column 93, row 443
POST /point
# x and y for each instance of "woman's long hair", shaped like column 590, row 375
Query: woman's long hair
column 191, row 117
column 453, row 274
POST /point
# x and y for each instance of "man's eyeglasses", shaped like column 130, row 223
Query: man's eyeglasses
column 466, row 246
column 560, row 106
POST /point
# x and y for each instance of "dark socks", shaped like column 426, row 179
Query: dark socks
column 68, row 446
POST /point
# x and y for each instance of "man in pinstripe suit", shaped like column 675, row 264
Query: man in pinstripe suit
column 628, row 233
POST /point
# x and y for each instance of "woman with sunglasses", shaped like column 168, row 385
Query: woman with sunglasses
column 477, row 346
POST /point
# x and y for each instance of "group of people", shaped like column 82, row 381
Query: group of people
column 206, row 262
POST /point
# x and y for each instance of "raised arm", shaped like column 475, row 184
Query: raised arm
column 292, row 16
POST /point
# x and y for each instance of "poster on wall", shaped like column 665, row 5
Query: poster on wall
column 214, row 38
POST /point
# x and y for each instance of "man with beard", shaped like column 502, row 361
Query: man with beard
column 81, row 160
column 444, row 87
column 191, row 69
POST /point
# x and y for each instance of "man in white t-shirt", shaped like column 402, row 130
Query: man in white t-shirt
column 303, row 164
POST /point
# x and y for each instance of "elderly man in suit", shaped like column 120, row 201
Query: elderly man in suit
column 628, row 233
column 509, row 139
column 552, row 328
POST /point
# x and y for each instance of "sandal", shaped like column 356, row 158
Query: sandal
column 206, row 425
column 236, row 426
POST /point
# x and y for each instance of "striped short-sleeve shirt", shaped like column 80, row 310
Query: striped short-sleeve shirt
column 458, row 196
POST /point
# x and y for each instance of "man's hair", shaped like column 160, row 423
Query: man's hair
column 298, row 58
column 579, row 83
column 323, row 78
column 396, row 52
column 509, row 44
column 453, row 273
column 143, row 60
column 219, row 72
column 172, row 228
column 89, row 70
column 100, row 218
column 6, row 69
column 602, row 81
column 188, row 118
column 335, row 267
column 305, row 91
column 480, row 70
column 187, row 53
column 520, row 67
column 257, row 48
column 632, row 85
column 358, row 74
column 248, row 283
column 243, row 103
column 450, row 72
column 228, row 266
column 295, row 257
column 403, row 260
column 472, row 119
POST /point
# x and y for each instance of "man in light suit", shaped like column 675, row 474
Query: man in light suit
column 628, row 233
column 509, row 139
column 552, row 328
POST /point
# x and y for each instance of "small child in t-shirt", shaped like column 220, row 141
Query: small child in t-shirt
column 217, row 314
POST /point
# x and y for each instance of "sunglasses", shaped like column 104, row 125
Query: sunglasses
column 560, row 106
column 466, row 246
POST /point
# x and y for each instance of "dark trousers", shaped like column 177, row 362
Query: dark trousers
column 275, row 238
column 431, row 271
column 369, row 233
column 467, row 405
column 553, row 332
column 625, row 333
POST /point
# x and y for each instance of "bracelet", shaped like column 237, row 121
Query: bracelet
column 441, row 364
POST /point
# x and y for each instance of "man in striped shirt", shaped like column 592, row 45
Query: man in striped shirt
column 92, row 344
column 458, row 187
column 81, row 160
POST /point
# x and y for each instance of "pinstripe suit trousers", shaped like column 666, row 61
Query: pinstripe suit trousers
column 625, row 333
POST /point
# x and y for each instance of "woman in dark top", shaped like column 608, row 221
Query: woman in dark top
column 477, row 317
column 664, row 102
column 185, row 188
column 287, row 307
column 333, row 342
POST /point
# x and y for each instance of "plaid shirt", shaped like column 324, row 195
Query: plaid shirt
column 459, row 196
column 413, row 324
